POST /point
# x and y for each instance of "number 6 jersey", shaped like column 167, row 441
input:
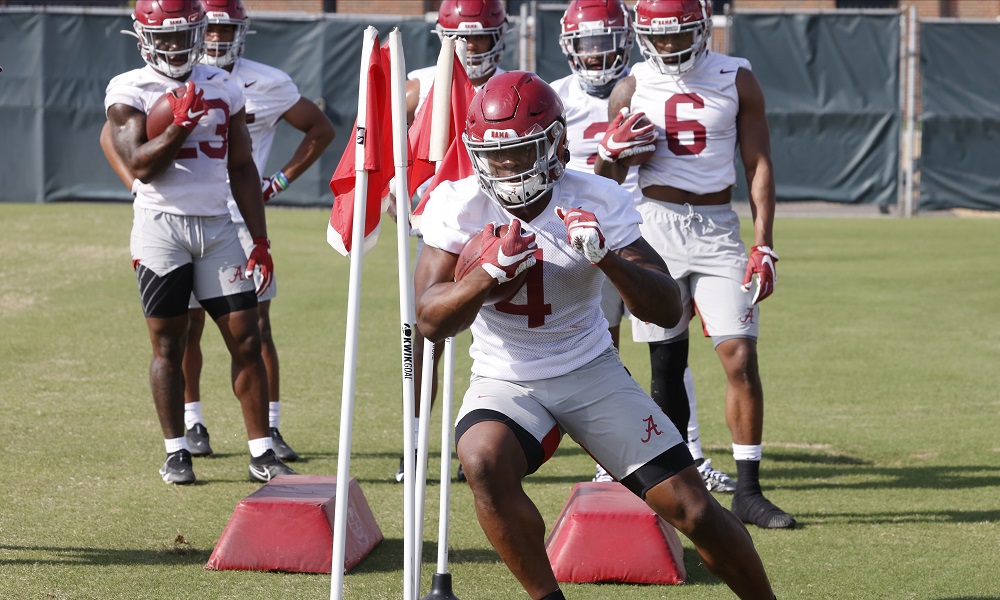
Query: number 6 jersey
column 554, row 323
column 196, row 183
column 695, row 117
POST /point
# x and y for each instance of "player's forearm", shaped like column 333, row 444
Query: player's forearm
column 612, row 170
column 645, row 285
column 244, row 182
column 446, row 309
column 760, row 181
column 308, row 152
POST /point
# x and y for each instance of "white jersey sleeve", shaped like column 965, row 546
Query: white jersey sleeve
column 196, row 183
column 554, row 324
column 696, row 150
column 586, row 122
column 269, row 92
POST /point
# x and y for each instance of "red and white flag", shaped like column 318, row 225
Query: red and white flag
column 376, row 138
column 456, row 163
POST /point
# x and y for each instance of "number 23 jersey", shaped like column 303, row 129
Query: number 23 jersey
column 554, row 323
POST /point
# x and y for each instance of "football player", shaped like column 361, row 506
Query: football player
column 183, row 239
column 596, row 38
column 543, row 361
column 701, row 103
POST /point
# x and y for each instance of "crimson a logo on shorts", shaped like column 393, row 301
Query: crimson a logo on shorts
column 747, row 318
column 651, row 428
column 237, row 274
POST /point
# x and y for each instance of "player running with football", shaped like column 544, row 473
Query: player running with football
column 596, row 37
column 271, row 96
column 543, row 361
column 702, row 103
column 183, row 239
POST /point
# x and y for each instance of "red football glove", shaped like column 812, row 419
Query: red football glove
column 627, row 135
column 584, row 233
column 189, row 108
column 504, row 258
column 260, row 264
column 274, row 185
column 761, row 264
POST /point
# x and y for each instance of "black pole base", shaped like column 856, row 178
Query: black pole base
column 441, row 588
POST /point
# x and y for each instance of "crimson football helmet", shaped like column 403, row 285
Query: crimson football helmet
column 516, row 136
column 171, row 34
column 226, row 12
column 597, row 39
column 463, row 18
column 659, row 20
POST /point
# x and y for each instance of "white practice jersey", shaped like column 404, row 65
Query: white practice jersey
column 426, row 78
column 554, row 323
column 695, row 116
column 269, row 92
column 196, row 183
column 586, row 122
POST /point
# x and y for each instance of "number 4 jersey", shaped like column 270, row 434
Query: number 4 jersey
column 196, row 183
column 554, row 323
column 695, row 116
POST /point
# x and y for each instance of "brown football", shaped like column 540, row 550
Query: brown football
column 160, row 115
column 468, row 260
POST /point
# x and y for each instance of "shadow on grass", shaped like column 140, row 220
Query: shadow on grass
column 388, row 556
column 180, row 554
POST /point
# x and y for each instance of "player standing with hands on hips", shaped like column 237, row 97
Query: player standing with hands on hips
column 701, row 104
column 271, row 96
column 596, row 37
column 183, row 239
column 543, row 361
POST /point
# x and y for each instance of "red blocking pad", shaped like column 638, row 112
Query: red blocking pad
column 607, row 534
column 287, row 525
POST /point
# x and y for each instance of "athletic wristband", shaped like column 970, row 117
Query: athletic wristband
column 281, row 180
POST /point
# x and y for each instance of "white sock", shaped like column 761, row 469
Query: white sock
column 273, row 413
column 259, row 446
column 192, row 414
column 176, row 444
column 747, row 452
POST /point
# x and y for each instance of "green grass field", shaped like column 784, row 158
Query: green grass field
column 880, row 357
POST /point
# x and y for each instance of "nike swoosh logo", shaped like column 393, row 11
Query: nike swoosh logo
column 195, row 115
column 723, row 71
column 261, row 473
column 249, row 83
column 506, row 261
column 211, row 76
column 613, row 145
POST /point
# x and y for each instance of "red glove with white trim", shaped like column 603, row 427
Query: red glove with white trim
column 260, row 264
column 761, row 265
column 504, row 258
column 627, row 135
column 189, row 108
column 583, row 232
column 274, row 185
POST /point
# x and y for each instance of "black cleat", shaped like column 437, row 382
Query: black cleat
column 754, row 508
column 177, row 468
column 267, row 466
column 197, row 438
column 281, row 448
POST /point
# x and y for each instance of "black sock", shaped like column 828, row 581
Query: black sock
column 748, row 476
column 556, row 595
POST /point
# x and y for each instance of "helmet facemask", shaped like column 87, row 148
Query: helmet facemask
column 174, row 48
column 537, row 160
column 223, row 54
column 481, row 64
column 598, row 55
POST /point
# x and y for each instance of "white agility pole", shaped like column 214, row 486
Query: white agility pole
column 351, row 343
column 407, row 311
column 441, row 588
column 440, row 127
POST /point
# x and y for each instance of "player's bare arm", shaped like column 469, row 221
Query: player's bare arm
column 144, row 158
column 305, row 116
column 644, row 282
column 244, row 180
column 621, row 97
column 755, row 152
column 412, row 99
column 444, row 306
column 116, row 162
